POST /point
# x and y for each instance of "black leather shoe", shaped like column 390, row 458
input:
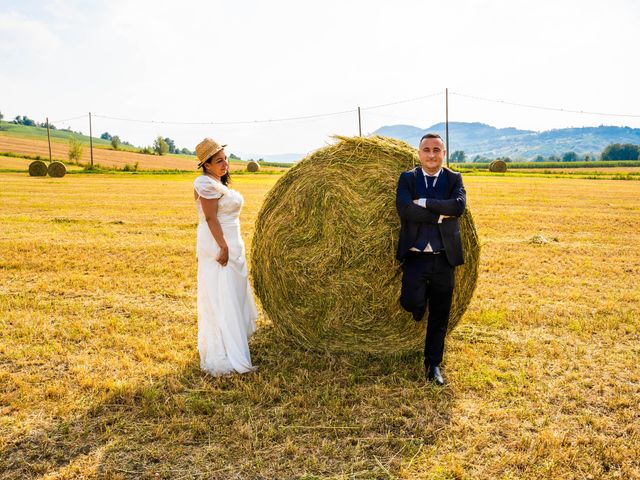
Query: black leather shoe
column 434, row 375
column 418, row 314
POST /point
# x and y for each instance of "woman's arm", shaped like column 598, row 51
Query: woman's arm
column 210, row 209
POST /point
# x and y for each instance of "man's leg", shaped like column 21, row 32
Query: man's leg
column 412, row 296
column 439, row 294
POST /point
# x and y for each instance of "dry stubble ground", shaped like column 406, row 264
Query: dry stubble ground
column 99, row 373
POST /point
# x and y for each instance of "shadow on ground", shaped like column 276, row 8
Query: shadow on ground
column 299, row 415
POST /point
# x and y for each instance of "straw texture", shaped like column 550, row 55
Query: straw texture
column 498, row 166
column 323, row 255
column 38, row 168
column 253, row 166
column 57, row 169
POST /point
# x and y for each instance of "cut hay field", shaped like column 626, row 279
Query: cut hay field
column 17, row 164
column 104, row 157
column 584, row 170
column 99, row 372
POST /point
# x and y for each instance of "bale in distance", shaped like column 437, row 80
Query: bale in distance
column 253, row 166
column 37, row 168
column 57, row 169
column 323, row 255
column 498, row 166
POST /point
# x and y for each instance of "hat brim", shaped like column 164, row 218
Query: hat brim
column 209, row 157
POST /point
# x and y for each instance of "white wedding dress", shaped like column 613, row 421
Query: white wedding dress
column 226, row 309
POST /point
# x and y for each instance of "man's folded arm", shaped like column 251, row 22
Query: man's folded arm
column 451, row 207
column 409, row 211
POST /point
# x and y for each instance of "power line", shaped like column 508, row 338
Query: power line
column 69, row 119
column 415, row 99
column 243, row 122
column 351, row 111
column 274, row 120
column 540, row 107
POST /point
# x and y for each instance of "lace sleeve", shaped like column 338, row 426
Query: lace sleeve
column 207, row 188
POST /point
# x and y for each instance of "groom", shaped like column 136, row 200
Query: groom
column 429, row 200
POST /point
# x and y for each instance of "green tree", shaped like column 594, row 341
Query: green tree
column 1, row 116
column 115, row 142
column 24, row 120
column 160, row 146
column 232, row 156
column 171, row 144
column 553, row 158
column 458, row 156
column 538, row 158
column 621, row 151
column 570, row 157
column 105, row 136
column 75, row 149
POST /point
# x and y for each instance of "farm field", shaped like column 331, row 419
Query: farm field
column 102, row 156
column 585, row 170
column 99, row 374
column 22, row 164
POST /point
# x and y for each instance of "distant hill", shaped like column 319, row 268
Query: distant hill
column 481, row 139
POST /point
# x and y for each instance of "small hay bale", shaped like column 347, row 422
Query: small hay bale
column 498, row 166
column 57, row 169
column 38, row 168
column 538, row 240
column 253, row 166
column 323, row 255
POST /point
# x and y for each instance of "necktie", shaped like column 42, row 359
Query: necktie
column 430, row 181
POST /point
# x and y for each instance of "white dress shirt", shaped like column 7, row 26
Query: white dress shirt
column 423, row 203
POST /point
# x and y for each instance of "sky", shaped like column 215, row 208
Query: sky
column 232, row 70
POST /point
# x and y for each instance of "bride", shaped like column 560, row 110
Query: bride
column 226, row 309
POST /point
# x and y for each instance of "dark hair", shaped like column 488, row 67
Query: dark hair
column 225, row 179
column 430, row 135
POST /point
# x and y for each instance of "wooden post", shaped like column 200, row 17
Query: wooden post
column 359, row 122
column 446, row 123
column 49, row 139
column 91, row 140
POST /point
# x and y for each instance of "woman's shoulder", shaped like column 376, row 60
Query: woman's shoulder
column 202, row 180
column 207, row 187
column 206, row 181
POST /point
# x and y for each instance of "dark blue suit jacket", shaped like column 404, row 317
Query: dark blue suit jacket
column 451, row 200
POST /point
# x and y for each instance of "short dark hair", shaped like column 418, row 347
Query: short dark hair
column 430, row 135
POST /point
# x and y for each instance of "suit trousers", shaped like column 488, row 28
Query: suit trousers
column 427, row 283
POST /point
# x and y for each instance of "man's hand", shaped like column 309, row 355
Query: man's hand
column 422, row 202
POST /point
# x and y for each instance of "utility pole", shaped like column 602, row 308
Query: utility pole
column 49, row 139
column 91, row 142
column 446, row 123
column 359, row 122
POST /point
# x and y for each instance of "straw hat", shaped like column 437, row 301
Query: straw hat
column 206, row 149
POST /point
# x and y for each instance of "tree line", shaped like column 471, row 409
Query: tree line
column 161, row 145
column 614, row 151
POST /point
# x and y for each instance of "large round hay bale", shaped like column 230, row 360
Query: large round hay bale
column 253, row 166
column 38, row 168
column 498, row 166
column 323, row 255
column 57, row 169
